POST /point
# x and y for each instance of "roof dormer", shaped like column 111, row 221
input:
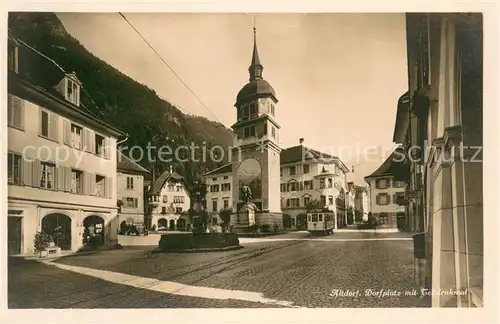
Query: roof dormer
column 69, row 87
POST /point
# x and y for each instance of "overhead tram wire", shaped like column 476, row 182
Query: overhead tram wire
column 173, row 71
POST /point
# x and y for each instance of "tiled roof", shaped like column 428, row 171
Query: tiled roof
column 290, row 155
column 298, row 153
column 39, row 72
column 223, row 169
column 391, row 166
column 160, row 182
column 123, row 163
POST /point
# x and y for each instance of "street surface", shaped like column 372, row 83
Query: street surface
column 291, row 270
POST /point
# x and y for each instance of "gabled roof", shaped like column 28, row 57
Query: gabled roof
column 166, row 176
column 37, row 78
column 124, row 163
column 391, row 165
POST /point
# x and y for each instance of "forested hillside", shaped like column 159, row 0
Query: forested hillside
column 119, row 100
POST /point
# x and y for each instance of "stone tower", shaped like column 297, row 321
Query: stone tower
column 256, row 152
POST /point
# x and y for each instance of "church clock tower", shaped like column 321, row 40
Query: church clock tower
column 256, row 151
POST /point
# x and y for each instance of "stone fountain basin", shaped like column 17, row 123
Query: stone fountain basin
column 203, row 242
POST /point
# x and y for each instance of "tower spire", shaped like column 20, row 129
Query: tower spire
column 255, row 68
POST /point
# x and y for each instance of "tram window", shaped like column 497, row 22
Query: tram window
column 314, row 217
column 320, row 217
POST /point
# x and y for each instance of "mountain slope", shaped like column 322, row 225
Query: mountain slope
column 119, row 100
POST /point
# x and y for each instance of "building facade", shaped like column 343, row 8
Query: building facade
column 309, row 176
column 444, row 121
column 130, row 190
column 256, row 153
column 350, row 202
column 169, row 200
column 306, row 175
column 61, row 160
column 361, row 203
column 219, row 191
column 386, row 192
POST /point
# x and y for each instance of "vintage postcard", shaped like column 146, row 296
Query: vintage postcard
column 231, row 160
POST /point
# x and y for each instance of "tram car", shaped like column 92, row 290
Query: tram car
column 321, row 223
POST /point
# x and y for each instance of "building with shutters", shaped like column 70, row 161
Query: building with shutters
column 169, row 201
column 61, row 159
column 130, row 190
column 282, row 182
column 386, row 191
column 305, row 175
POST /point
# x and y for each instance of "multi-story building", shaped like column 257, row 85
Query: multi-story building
column 361, row 203
column 169, row 199
column 350, row 202
column 442, row 123
column 130, row 190
column 386, row 192
column 61, row 159
column 306, row 175
column 219, row 191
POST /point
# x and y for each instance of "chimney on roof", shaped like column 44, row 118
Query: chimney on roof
column 301, row 140
column 171, row 169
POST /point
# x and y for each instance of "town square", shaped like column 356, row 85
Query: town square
column 234, row 160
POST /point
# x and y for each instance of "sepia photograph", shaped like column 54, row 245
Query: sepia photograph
column 172, row 160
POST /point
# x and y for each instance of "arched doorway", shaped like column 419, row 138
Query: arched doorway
column 287, row 221
column 59, row 227
column 171, row 225
column 162, row 224
column 93, row 230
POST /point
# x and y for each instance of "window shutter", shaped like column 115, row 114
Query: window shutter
column 66, row 132
column 377, row 198
column 37, row 169
column 27, row 173
column 92, row 184
column 388, row 199
column 107, row 149
column 107, row 187
column 53, row 127
column 67, row 179
column 91, row 136
column 394, row 198
column 10, row 109
column 86, row 183
column 136, row 202
column 86, row 140
column 311, row 182
column 59, row 178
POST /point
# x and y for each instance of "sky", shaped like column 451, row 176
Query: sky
column 337, row 76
